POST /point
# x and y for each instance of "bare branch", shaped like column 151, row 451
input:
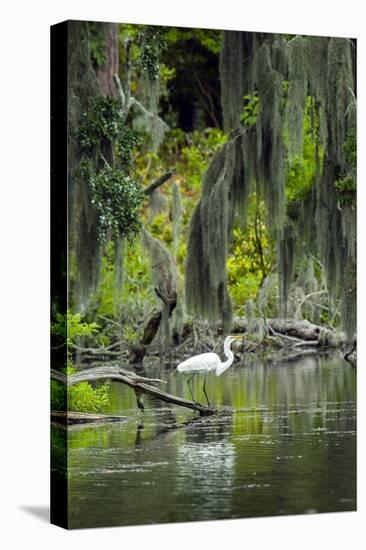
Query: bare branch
column 137, row 383
column 158, row 182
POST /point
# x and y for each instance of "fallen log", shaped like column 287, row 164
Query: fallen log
column 140, row 384
column 300, row 330
column 291, row 356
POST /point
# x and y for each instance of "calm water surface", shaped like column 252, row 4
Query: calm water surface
column 284, row 443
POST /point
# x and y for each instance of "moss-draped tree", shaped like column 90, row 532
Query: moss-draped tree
column 280, row 76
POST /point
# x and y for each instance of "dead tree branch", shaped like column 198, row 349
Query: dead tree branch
column 139, row 384
column 158, row 182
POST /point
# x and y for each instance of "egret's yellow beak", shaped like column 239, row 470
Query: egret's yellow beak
column 237, row 337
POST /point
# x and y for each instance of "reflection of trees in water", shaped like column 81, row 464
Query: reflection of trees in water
column 304, row 393
column 282, row 446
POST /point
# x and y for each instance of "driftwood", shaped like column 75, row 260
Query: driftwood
column 298, row 331
column 140, row 384
column 98, row 373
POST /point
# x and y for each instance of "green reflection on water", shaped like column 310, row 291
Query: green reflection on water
column 283, row 443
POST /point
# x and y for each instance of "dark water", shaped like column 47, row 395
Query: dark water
column 284, row 443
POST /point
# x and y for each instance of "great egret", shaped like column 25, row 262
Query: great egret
column 208, row 362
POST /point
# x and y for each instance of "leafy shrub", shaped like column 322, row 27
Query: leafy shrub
column 152, row 41
column 250, row 110
column 102, row 121
column 84, row 398
column 252, row 256
column 118, row 199
column 58, row 396
column 81, row 397
column 71, row 326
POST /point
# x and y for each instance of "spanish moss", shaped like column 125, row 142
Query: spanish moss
column 283, row 74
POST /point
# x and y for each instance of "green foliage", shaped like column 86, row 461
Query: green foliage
column 115, row 193
column 346, row 183
column 210, row 39
column 126, row 142
column 84, row 398
column 350, row 148
column 103, row 120
column 136, row 294
column 58, row 396
column 346, row 190
column 166, row 73
column 71, row 326
column 129, row 334
column 192, row 152
column 97, row 43
column 250, row 110
column 251, row 258
column 162, row 229
column 81, row 397
column 152, row 41
column 103, row 299
column 118, row 199
column 302, row 169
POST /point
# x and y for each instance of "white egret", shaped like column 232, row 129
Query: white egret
column 208, row 362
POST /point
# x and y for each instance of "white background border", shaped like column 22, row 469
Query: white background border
column 24, row 271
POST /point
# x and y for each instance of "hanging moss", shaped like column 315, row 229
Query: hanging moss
column 152, row 44
column 118, row 270
column 282, row 73
column 270, row 141
column 206, row 277
column 177, row 213
column 163, row 269
column 232, row 57
column 83, row 218
column 340, row 96
column 285, row 255
column 297, row 55
column 164, row 279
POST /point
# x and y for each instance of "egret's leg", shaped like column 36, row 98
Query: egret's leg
column 189, row 385
column 204, row 391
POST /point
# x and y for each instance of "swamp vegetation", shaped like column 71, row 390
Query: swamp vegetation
column 212, row 187
column 211, row 190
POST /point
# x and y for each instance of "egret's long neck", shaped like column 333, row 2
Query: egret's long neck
column 230, row 358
